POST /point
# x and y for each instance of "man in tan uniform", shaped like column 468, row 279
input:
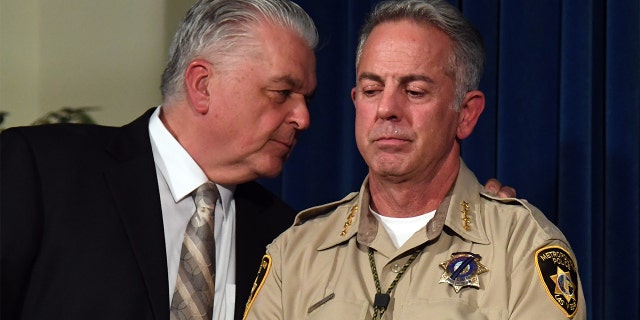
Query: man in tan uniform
column 422, row 239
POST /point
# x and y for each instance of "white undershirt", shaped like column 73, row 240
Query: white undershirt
column 401, row 229
column 178, row 175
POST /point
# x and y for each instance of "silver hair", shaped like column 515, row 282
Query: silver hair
column 218, row 27
column 466, row 64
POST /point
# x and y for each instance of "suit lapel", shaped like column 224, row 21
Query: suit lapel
column 133, row 184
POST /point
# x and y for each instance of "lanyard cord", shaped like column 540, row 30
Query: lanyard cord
column 381, row 300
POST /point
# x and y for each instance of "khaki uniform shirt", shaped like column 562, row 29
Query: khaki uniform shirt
column 521, row 266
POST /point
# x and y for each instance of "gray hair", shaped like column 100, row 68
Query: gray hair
column 467, row 61
column 217, row 27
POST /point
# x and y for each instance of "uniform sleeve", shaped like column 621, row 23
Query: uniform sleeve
column 546, row 285
column 20, row 222
column 265, row 301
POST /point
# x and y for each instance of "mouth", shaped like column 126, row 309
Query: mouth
column 286, row 145
column 395, row 137
column 387, row 133
column 391, row 141
column 284, row 141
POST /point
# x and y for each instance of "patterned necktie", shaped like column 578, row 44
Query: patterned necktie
column 193, row 296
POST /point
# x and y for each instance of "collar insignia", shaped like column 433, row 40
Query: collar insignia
column 464, row 215
column 347, row 224
column 462, row 270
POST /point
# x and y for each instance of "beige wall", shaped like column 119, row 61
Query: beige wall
column 110, row 54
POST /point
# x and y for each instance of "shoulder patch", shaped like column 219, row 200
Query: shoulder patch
column 263, row 271
column 558, row 274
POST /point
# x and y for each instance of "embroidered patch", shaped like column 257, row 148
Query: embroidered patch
column 462, row 270
column 263, row 271
column 558, row 274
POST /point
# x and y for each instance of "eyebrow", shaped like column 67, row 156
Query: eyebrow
column 403, row 79
column 288, row 80
column 294, row 83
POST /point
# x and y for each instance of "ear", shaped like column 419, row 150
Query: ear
column 353, row 96
column 470, row 110
column 197, row 77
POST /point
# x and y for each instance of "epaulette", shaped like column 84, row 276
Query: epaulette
column 515, row 201
column 548, row 227
column 316, row 211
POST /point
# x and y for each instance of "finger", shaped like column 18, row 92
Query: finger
column 507, row 192
column 493, row 185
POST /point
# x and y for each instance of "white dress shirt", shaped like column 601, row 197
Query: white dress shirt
column 178, row 176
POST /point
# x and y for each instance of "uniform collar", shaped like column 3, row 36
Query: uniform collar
column 464, row 207
column 460, row 211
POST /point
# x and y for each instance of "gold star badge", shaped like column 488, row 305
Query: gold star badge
column 564, row 284
column 462, row 270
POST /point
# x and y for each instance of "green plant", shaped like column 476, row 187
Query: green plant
column 2, row 115
column 67, row 115
column 62, row 115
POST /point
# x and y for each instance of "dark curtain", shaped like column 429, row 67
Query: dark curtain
column 561, row 125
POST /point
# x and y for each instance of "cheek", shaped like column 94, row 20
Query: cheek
column 361, row 126
column 442, row 121
column 439, row 131
column 364, row 122
column 265, row 120
column 365, row 116
column 261, row 126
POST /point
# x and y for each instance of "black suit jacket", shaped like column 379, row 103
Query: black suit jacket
column 81, row 226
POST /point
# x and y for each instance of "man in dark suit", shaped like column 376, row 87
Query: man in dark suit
column 92, row 218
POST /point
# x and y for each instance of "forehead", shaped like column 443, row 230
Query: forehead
column 405, row 46
column 286, row 56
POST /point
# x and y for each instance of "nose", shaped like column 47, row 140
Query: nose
column 389, row 105
column 299, row 117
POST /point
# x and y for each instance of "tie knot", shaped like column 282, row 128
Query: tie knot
column 206, row 195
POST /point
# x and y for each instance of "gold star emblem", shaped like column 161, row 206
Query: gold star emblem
column 462, row 270
column 564, row 284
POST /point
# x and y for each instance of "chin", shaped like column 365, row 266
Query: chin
column 388, row 169
column 271, row 171
column 270, row 174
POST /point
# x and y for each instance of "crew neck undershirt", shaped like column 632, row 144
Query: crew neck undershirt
column 401, row 229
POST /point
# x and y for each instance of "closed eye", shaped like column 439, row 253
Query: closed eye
column 370, row 93
column 285, row 93
column 371, row 90
column 280, row 96
column 415, row 94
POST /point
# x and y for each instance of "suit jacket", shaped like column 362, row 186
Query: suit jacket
column 81, row 226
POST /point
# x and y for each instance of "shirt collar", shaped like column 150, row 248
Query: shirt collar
column 185, row 174
column 460, row 210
